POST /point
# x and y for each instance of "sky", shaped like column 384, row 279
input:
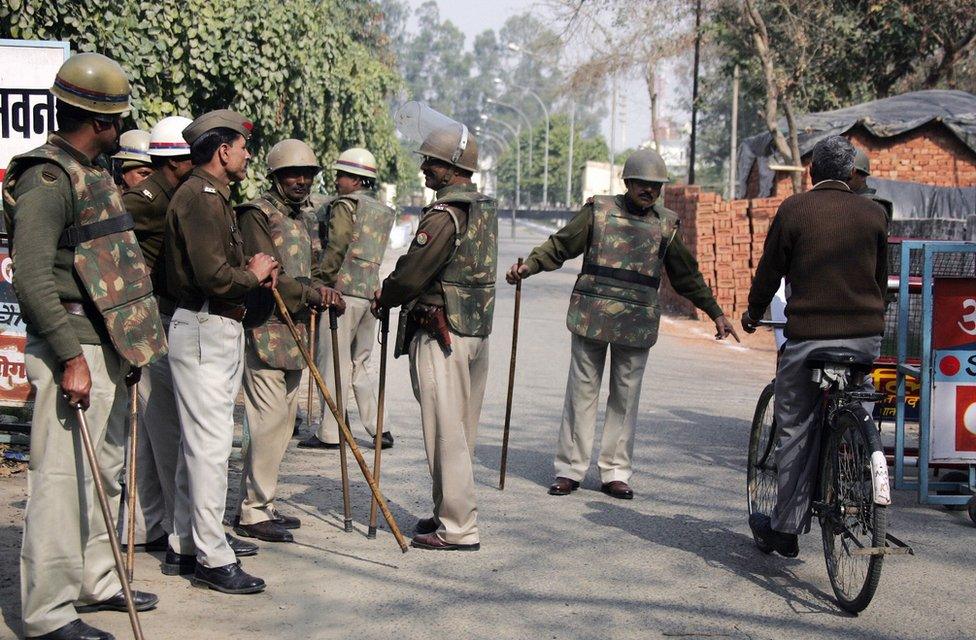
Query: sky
column 474, row 16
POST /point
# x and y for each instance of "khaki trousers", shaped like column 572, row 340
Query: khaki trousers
column 576, row 433
column 205, row 355
column 270, row 402
column 157, row 450
column 451, row 388
column 356, row 335
column 66, row 558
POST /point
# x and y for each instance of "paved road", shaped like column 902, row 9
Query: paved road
column 677, row 561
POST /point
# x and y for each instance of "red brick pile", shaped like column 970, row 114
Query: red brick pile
column 727, row 239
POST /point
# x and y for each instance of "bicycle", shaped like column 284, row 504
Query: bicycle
column 852, row 496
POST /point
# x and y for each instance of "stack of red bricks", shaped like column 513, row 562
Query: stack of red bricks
column 726, row 237
column 930, row 154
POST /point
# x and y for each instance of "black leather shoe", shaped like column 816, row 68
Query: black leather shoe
column 387, row 440
column 312, row 442
column 241, row 548
column 286, row 522
column 267, row 531
column 769, row 540
column 75, row 630
column 425, row 526
column 143, row 600
column 177, row 564
column 229, row 578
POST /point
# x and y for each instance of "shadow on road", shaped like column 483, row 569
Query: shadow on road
column 719, row 547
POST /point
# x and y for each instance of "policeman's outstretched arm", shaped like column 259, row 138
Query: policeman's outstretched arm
column 724, row 328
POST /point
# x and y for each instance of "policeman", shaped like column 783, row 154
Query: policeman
column 859, row 185
column 275, row 224
column 209, row 276
column 626, row 241
column 71, row 235
column 359, row 230
column 447, row 282
column 132, row 163
column 159, row 444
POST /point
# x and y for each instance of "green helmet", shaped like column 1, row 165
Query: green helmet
column 356, row 161
column 92, row 82
column 452, row 144
column 133, row 149
column 292, row 153
column 647, row 165
column 861, row 162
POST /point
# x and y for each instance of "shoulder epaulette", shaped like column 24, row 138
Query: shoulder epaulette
column 148, row 195
column 209, row 189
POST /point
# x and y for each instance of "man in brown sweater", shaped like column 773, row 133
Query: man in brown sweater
column 830, row 245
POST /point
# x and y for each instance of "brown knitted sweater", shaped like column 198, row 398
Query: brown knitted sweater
column 831, row 246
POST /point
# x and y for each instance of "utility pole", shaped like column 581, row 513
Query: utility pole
column 694, row 94
column 613, row 132
column 569, row 168
column 735, row 132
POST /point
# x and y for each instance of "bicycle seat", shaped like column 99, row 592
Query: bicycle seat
column 840, row 356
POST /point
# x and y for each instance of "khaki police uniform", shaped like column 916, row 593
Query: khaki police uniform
column 205, row 268
column 614, row 308
column 451, row 264
column 273, row 362
column 157, row 448
column 359, row 231
column 69, row 236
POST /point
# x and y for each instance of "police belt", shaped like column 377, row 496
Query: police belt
column 624, row 275
column 215, row 307
column 78, row 233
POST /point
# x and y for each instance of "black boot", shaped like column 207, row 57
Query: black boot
column 229, row 578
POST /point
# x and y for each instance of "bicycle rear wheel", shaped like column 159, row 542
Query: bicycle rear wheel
column 850, row 523
column 761, row 471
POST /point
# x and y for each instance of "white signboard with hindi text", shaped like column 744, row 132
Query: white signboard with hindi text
column 27, row 70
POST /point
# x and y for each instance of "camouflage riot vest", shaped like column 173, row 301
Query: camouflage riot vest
column 468, row 280
column 272, row 341
column 359, row 275
column 309, row 214
column 615, row 298
column 108, row 260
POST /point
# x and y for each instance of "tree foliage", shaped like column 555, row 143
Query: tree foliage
column 585, row 148
column 318, row 70
column 830, row 54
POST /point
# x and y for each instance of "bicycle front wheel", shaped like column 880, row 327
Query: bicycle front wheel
column 761, row 471
column 850, row 523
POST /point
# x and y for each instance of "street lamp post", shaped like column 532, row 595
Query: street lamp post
column 528, row 123
column 517, row 131
column 545, row 161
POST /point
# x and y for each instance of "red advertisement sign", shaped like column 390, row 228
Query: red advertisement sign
column 14, row 388
column 954, row 313
column 966, row 418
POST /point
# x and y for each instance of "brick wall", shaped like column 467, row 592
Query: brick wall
column 727, row 239
column 928, row 155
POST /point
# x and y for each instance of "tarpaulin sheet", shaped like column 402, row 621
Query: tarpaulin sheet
column 883, row 118
column 914, row 201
